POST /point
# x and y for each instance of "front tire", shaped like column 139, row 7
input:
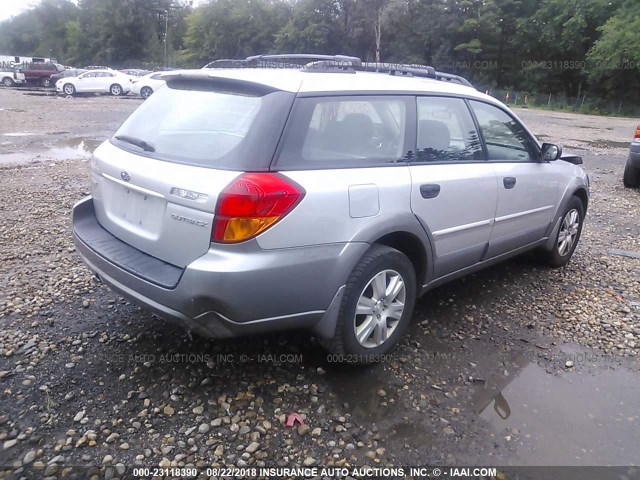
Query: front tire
column 631, row 176
column 45, row 82
column 376, row 307
column 568, row 234
column 116, row 90
column 69, row 89
column 146, row 92
column 8, row 82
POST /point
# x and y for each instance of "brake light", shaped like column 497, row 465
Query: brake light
column 637, row 136
column 251, row 204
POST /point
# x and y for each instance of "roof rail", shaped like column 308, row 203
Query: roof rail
column 225, row 63
column 400, row 69
column 415, row 71
column 280, row 61
column 337, row 63
column 303, row 58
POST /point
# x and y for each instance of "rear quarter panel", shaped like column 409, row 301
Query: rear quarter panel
column 340, row 206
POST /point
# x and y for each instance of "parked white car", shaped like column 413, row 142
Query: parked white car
column 11, row 78
column 148, row 84
column 96, row 81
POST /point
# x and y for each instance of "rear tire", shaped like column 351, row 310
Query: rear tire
column 631, row 176
column 8, row 82
column 382, row 288
column 116, row 90
column 568, row 234
column 146, row 92
column 69, row 89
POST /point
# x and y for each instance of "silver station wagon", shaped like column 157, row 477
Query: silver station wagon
column 327, row 197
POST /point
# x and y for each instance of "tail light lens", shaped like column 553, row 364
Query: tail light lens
column 251, row 204
column 637, row 136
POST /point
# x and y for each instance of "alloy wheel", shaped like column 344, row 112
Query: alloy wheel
column 379, row 308
column 568, row 232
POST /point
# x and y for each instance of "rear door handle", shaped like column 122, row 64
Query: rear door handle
column 509, row 182
column 430, row 190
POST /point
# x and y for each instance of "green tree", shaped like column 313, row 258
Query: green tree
column 40, row 31
column 313, row 27
column 614, row 60
column 559, row 35
column 233, row 29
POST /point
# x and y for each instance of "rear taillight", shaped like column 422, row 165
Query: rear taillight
column 252, row 203
column 637, row 136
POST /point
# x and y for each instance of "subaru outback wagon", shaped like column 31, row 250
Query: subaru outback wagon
column 241, row 201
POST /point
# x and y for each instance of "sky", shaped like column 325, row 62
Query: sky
column 9, row 8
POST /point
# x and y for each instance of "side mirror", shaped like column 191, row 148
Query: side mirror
column 551, row 152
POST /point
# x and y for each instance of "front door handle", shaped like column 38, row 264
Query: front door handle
column 509, row 182
column 430, row 190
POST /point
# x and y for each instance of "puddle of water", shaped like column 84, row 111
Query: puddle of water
column 78, row 148
column 607, row 144
column 514, row 408
column 87, row 145
column 19, row 134
column 571, row 419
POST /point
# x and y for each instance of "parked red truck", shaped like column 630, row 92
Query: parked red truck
column 38, row 72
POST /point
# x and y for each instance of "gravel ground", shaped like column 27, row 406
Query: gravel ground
column 91, row 383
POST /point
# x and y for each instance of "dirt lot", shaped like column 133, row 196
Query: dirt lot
column 516, row 365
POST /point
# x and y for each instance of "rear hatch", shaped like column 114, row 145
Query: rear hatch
column 156, row 182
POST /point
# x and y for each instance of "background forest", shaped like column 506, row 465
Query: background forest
column 578, row 50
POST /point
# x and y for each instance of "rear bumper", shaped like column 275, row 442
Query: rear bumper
column 229, row 291
column 634, row 154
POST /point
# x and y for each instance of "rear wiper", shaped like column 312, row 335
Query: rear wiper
column 147, row 147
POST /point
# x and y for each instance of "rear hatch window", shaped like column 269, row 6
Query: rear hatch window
column 208, row 125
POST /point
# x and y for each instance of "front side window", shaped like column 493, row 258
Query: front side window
column 505, row 138
column 335, row 132
column 446, row 132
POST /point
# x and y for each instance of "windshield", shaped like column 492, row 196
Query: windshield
column 210, row 128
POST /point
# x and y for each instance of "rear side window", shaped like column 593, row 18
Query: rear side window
column 446, row 131
column 208, row 127
column 340, row 132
